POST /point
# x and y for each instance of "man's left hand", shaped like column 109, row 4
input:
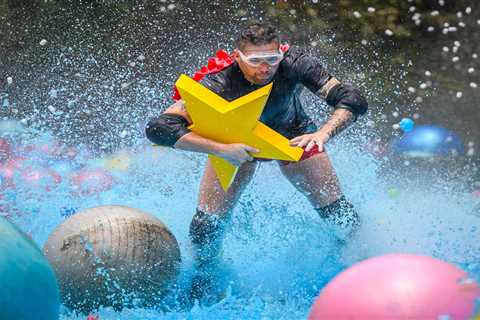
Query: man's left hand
column 310, row 140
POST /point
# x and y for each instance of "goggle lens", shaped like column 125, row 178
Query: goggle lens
column 256, row 60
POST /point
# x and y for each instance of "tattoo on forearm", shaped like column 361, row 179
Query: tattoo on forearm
column 338, row 123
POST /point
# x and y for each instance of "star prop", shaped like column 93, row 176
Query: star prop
column 233, row 122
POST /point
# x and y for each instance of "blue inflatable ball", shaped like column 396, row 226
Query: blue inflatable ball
column 29, row 289
column 406, row 124
column 428, row 141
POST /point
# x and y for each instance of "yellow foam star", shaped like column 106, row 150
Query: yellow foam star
column 233, row 122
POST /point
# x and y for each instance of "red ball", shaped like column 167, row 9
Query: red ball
column 88, row 182
column 398, row 286
column 39, row 177
column 8, row 171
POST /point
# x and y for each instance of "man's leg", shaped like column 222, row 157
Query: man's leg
column 212, row 216
column 317, row 180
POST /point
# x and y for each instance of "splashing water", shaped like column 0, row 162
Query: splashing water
column 279, row 253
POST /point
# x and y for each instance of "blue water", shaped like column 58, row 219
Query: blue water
column 278, row 251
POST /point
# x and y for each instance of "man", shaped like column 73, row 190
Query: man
column 259, row 60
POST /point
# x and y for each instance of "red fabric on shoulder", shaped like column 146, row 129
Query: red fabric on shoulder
column 221, row 60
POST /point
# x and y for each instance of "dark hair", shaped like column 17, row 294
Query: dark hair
column 257, row 33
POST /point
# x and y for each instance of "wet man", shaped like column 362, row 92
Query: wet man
column 259, row 59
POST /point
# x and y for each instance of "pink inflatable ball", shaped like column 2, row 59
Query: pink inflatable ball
column 40, row 178
column 398, row 286
column 88, row 182
column 48, row 150
column 8, row 171
column 58, row 150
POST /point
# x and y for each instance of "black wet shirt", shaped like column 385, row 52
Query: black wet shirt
column 283, row 112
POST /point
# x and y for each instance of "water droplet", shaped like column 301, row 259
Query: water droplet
column 52, row 93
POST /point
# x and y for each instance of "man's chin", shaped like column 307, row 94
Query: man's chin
column 263, row 81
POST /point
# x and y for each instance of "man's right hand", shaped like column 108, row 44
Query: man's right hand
column 236, row 153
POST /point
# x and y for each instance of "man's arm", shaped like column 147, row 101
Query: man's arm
column 313, row 75
column 347, row 101
column 338, row 121
column 170, row 129
column 186, row 140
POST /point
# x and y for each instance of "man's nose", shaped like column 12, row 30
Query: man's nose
column 264, row 67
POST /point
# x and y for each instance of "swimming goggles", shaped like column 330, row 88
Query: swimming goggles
column 257, row 59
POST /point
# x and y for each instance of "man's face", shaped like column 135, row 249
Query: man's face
column 262, row 73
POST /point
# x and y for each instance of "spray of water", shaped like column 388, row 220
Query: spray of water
column 94, row 101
